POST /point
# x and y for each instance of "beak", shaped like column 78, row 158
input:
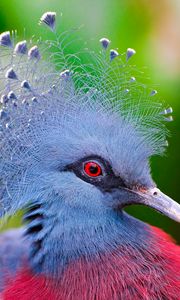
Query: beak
column 154, row 198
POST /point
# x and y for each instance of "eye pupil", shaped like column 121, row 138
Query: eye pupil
column 92, row 169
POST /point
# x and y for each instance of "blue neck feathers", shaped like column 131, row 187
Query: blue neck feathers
column 57, row 241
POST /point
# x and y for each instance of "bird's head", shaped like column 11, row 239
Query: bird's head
column 92, row 160
column 77, row 140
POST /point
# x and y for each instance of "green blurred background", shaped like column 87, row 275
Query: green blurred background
column 150, row 27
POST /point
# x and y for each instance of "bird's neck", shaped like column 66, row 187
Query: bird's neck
column 125, row 273
column 56, row 242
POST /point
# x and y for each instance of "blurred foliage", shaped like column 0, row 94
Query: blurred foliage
column 150, row 27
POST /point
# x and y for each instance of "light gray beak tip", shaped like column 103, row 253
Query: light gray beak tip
column 156, row 199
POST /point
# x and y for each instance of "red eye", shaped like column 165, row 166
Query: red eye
column 92, row 169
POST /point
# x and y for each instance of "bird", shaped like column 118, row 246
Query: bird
column 77, row 131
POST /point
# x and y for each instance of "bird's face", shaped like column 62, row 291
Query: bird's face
column 96, row 163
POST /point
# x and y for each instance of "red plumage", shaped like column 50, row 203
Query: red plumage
column 122, row 274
